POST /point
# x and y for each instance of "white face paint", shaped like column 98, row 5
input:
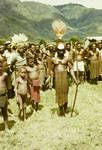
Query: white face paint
column 61, row 46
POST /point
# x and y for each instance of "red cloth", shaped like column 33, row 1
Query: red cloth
column 35, row 91
column 36, row 82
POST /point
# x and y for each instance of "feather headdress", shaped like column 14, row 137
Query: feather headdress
column 19, row 39
column 59, row 27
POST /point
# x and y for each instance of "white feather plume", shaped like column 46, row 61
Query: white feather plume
column 59, row 27
column 19, row 39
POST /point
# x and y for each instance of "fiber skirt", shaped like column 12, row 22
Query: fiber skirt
column 61, row 87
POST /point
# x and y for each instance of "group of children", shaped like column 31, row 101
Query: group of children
column 27, row 86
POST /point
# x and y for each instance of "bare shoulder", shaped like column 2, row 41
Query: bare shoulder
column 54, row 59
column 28, row 68
column 66, row 59
column 5, row 74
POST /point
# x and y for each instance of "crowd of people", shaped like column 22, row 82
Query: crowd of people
column 25, row 70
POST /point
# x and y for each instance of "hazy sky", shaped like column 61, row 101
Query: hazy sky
column 88, row 3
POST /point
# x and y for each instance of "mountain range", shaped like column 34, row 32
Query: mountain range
column 35, row 19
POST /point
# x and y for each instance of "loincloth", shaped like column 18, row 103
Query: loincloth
column 78, row 66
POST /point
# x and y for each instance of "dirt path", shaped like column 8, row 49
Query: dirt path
column 44, row 130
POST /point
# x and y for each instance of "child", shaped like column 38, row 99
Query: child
column 21, row 91
column 33, row 75
column 3, row 94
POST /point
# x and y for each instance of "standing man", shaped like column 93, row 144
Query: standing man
column 93, row 56
column 61, row 65
column 78, row 66
column 99, row 48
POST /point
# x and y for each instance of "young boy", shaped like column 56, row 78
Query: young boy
column 34, row 81
column 3, row 94
column 22, row 91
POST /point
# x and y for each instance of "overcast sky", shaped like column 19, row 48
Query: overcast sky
column 88, row 3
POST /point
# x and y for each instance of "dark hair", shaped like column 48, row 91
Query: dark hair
column 23, row 67
column 31, row 44
column 68, row 44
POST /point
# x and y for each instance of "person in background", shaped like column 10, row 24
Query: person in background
column 99, row 48
column 93, row 56
column 3, row 94
column 78, row 65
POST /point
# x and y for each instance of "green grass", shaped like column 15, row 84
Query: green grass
column 44, row 130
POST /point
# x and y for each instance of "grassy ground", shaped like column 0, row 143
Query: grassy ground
column 44, row 130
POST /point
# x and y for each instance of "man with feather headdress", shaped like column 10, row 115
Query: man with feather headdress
column 60, row 66
column 17, row 58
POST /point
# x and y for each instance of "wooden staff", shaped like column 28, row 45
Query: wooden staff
column 74, row 100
